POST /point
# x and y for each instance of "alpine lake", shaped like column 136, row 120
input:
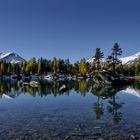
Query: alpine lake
column 80, row 112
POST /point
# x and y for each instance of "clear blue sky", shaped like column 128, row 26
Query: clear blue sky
column 68, row 28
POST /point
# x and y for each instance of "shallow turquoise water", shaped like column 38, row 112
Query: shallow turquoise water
column 78, row 113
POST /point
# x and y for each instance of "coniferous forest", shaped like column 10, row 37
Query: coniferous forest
column 82, row 67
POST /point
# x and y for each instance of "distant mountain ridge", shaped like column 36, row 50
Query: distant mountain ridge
column 130, row 59
column 125, row 60
column 11, row 57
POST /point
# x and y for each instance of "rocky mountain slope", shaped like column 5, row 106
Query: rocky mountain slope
column 11, row 57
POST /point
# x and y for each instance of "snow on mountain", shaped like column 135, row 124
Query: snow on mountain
column 90, row 60
column 130, row 59
column 125, row 60
column 11, row 57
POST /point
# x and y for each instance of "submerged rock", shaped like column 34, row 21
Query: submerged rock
column 62, row 88
column 33, row 84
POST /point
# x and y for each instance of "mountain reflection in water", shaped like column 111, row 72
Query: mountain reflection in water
column 10, row 88
column 87, row 112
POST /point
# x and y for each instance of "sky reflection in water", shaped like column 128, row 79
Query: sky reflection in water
column 80, row 111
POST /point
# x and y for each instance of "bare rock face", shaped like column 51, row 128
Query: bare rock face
column 104, row 78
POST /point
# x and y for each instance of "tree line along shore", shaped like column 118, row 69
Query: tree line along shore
column 99, row 69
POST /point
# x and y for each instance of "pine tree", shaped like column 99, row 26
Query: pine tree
column 113, row 58
column 48, row 65
column 40, row 66
column 61, row 66
column 67, row 66
column 75, row 68
column 98, row 57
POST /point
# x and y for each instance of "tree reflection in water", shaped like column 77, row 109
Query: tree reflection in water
column 112, row 107
column 98, row 108
column 82, row 87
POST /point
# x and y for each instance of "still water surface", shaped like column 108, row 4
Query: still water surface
column 81, row 112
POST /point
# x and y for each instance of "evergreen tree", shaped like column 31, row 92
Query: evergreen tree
column 98, row 56
column 40, row 66
column 68, row 67
column 113, row 58
column 75, row 68
column 48, row 65
column 61, row 66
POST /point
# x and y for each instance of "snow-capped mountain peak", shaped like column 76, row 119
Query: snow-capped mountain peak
column 11, row 57
column 3, row 55
column 130, row 59
column 125, row 60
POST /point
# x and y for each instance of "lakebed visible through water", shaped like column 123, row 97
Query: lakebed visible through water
column 78, row 113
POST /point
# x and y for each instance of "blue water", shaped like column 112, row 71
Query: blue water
column 68, row 115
